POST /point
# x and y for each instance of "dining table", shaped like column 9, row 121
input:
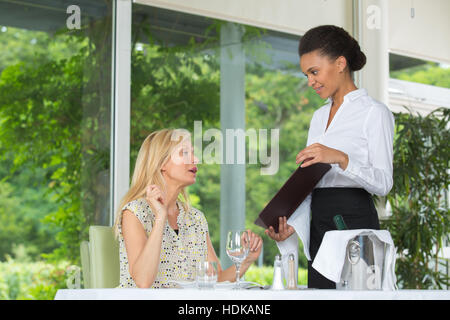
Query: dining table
column 247, row 294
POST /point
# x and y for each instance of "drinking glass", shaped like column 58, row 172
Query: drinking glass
column 238, row 246
column 206, row 274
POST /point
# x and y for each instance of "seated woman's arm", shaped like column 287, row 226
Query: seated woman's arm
column 143, row 252
column 230, row 273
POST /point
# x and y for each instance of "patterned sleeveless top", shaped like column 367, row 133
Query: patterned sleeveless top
column 179, row 252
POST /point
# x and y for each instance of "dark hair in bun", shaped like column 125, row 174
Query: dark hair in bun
column 333, row 41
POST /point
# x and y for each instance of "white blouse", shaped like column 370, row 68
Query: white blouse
column 363, row 128
column 179, row 252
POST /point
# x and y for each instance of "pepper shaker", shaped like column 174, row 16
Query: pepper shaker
column 291, row 285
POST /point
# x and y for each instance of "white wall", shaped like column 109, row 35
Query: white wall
column 426, row 36
column 372, row 34
column 291, row 16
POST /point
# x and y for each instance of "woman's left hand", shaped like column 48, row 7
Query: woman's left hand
column 255, row 246
column 317, row 152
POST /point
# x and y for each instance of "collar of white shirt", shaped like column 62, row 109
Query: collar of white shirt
column 352, row 95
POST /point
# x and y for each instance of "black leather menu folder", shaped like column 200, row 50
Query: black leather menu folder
column 291, row 195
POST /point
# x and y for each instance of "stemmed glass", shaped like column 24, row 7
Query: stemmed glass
column 238, row 246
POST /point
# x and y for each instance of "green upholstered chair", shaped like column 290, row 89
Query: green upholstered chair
column 100, row 258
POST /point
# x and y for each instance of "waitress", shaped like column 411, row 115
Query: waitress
column 354, row 133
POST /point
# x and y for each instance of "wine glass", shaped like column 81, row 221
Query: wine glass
column 238, row 246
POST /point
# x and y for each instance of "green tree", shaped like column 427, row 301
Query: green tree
column 55, row 115
column 23, row 205
column 429, row 73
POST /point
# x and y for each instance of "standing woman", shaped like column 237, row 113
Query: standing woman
column 353, row 132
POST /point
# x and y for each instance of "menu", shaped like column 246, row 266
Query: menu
column 292, row 194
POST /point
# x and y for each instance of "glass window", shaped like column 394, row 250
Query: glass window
column 419, row 71
column 180, row 80
column 55, row 106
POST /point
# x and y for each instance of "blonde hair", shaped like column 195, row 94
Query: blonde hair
column 153, row 154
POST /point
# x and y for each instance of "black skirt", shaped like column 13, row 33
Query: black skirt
column 355, row 205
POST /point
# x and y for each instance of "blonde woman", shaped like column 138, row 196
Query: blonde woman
column 162, row 237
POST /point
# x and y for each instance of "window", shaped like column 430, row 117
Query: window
column 55, row 106
column 198, row 73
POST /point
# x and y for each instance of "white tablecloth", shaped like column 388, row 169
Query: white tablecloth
column 253, row 294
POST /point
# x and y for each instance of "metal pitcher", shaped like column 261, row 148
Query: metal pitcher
column 364, row 264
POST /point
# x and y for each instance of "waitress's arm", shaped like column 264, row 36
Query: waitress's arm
column 376, row 176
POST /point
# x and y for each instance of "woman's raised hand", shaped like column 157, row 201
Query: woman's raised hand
column 255, row 246
column 284, row 230
column 157, row 202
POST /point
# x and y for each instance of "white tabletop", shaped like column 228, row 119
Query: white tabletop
column 253, row 294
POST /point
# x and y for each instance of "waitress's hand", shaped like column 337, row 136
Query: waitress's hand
column 319, row 153
column 284, row 230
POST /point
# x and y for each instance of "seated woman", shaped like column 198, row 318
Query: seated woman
column 161, row 237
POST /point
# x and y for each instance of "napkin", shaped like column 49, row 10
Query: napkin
column 330, row 258
column 300, row 221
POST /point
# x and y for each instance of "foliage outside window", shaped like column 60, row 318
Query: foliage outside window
column 420, row 222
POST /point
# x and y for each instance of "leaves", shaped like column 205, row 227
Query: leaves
column 420, row 219
column 55, row 115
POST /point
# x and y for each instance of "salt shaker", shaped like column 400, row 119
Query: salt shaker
column 291, row 285
column 277, row 282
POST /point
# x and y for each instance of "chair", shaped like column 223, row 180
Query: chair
column 85, row 264
column 100, row 258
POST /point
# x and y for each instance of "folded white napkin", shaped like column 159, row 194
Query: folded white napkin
column 330, row 258
column 300, row 221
